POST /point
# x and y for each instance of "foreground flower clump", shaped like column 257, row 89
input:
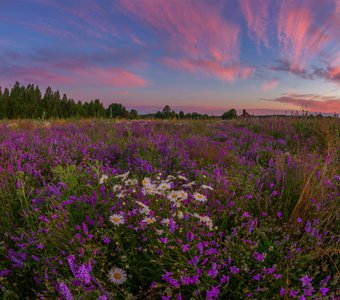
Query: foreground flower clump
column 159, row 210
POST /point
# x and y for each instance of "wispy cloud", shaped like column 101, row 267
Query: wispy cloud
column 329, row 73
column 257, row 16
column 197, row 37
column 36, row 75
column 212, row 68
column 113, row 77
column 195, row 27
column 299, row 37
column 270, row 85
column 311, row 102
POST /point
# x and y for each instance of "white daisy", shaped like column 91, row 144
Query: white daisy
column 117, row 219
column 159, row 231
column 149, row 189
column 199, row 197
column 205, row 220
column 180, row 215
column 189, row 184
column 173, row 196
column 103, row 179
column 120, row 195
column 166, row 221
column 182, row 177
column 117, row 276
column 182, row 195
column 116, row 187
column 164, row 186
column 145, row 210
column 207, row 187
column 146, row 181
column 123, row 176
column 129, row 182
column 149, row 220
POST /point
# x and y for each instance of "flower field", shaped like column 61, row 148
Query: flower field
column 243, row 209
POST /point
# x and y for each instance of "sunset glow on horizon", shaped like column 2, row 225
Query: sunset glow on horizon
column 207, row 56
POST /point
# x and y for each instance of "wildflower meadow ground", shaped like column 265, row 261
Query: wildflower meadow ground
column 98, row 209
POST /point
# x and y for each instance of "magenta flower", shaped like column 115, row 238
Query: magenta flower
column 324, row 291
column 63, row 288
column 306, row 280
column 259, row 256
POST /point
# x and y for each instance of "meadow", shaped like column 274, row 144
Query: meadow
column 240, row 209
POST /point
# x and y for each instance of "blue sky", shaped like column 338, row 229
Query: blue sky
column 196, row 55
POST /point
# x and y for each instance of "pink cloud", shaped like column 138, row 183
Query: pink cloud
column 89, row 17
column 36, row 75
column 225, row 73
column 256, row 14
column 80, row 75
column 114, row 77
column 334, row 72
column 135, row 39
column 334, row 68
column 124, row 93
column 299, row 38
column 269, row 85
column 50, row 30
column 197, row 33
column 311, row 102
column 195, row 27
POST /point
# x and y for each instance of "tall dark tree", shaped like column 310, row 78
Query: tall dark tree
column 133, row 114
column 117, row 110
column 230, row 114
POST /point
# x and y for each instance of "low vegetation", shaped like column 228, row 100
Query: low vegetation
column 239, row 209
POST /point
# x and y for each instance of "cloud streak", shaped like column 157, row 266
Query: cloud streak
column 311, row 102
column 93, row 76
column 329, row 73
column 270, row 85
column 197, row 36
column 256, row 14
column 299, row 37
column 226, row 73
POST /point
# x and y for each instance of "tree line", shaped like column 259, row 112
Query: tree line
column 28, row 102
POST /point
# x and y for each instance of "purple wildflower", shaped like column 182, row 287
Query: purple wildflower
column 185, row 247
column 63, row 288
column 306, row 280
column 246, row 214
column 213, row 271
column 324, row 291
column 72, row 264
column 190, row 237
column 84, row 275
column 293, row 293
column 106, row 240
column 257, row 277
column 234, row 270
column 259, row 256
column 212, row 293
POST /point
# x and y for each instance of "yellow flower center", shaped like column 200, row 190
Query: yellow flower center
column 115, row 219
column 117, row 276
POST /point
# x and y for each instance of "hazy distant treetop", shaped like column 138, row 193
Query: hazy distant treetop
column 230, row 114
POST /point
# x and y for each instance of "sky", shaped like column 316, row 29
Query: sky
column 207, row 56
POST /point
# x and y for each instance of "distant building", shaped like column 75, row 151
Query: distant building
column 245, row 114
